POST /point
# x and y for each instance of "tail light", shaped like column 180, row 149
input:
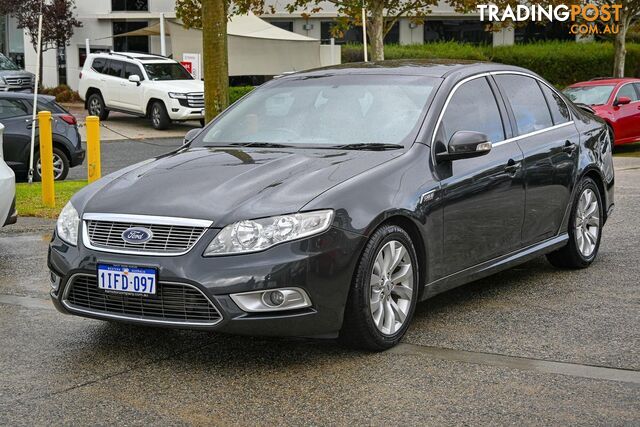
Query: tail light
column 69, row 119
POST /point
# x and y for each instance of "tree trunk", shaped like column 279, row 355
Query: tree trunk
column 375, row 29
column 620, row 47
column 215, row 60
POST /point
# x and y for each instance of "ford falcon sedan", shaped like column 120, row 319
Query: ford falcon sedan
column 329, row 203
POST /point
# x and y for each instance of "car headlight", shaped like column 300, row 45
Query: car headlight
column 260, row 234
column 176, row 95
column 68, row 224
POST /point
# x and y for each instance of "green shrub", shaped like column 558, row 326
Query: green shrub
column 562, row 63
column 237, row 92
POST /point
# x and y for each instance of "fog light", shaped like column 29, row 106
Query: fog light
column 276, row 298
column 272, row 300
column 55, row 281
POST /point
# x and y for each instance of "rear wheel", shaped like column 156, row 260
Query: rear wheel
column 585, row 229
column 384, row 291
column 159, row 117
column 60, row 166
column 97, row 107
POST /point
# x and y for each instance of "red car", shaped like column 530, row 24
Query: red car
column 617, row 101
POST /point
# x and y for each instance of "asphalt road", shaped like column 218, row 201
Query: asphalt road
column 532, row 345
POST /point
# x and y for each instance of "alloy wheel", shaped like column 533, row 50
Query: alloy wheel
column 155, row 115
column 94, row 107
column 587, row 223
column 58, row 167
column 391, row 290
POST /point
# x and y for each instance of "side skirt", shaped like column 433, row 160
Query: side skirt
column 493, row 266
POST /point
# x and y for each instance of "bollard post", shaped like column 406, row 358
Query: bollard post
column 46, row 159
column 93, row 148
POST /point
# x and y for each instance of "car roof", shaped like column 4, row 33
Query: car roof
column 606, row 82
column 134, row 56
column 420, row 67
column 26, row 96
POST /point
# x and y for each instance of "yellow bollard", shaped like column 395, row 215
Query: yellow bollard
column 46, row 159
column 93, row 148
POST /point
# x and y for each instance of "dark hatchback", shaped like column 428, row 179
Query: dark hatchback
column 328, row 203
column 16, row 111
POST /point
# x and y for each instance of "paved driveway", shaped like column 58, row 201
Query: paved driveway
column 533, row 345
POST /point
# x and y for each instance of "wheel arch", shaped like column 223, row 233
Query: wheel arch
column 150, row 103
column 596, row 176
column 90, row 91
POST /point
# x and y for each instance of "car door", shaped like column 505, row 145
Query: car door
column 549, row 141
column 131, row 93
column 484, row 196
column 627, row 116
column 14, row 115
column 113, row 75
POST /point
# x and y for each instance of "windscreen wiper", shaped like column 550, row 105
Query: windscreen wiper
column 260, row 144
column 369, row 146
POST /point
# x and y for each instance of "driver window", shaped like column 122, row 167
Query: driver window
column 628, row 91
column 473, row 107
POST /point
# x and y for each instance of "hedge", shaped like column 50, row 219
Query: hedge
column 562, row 63
column 237, row 92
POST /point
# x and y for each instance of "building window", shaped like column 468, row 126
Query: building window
column 354, row 34
column 82, row 53
column 460, row 30
column 130, row 43
column 129, row 5
column 533, row 32
column 285, row 25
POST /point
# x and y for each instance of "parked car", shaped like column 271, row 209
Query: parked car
column 617, row 101
column 13, row 78
column 16, row 111
column 8, row 213
column 328, row 203
column 141, row 84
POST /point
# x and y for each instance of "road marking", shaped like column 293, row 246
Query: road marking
column 27, row 302
column 522, row 363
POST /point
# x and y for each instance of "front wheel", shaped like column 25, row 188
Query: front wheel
column 585, row 229
column 384, row 291
column 160, row 119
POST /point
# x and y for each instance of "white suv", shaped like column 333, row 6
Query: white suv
column 141, row 84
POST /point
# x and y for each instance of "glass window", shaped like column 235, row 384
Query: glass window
column 129, row 5
column 130, row 43
column 114, row 68
column 131, row 70
column 527, row 102
column 462, row 30
column 589, row 95
column 628, row 91
column 327, row 111
column 285, row 25
column 473, row 107
column 98, row 64
column 167, row 71
column 559, row 110
column 10, row 108
column 6, row 64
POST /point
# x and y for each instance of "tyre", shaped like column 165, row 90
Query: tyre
column 96, row 106
column 202, row 122
column 159, row 117
column 384, row 291
column 60, row 166
column 585, row 229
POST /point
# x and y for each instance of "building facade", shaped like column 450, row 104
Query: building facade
column 104, row 19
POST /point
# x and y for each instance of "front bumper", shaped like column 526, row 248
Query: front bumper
column 322, row 266
column 181, row 111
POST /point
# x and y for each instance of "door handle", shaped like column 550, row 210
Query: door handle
column 512, row 167
column 569, row 147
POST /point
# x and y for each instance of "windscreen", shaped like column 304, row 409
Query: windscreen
column 590, row 95
column 7, row 64
column 167, row 71
column 326, row 110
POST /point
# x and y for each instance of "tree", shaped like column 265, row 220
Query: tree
column 628, row 14
column 214, row 14
column 58, row 21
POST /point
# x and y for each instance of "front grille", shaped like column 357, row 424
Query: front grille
column 169, row 239
column 173, row 303
column 195, row 100
column 18, row 81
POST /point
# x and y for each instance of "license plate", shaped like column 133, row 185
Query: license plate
column 127, row 279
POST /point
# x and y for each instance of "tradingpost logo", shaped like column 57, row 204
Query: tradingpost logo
column 586, row 19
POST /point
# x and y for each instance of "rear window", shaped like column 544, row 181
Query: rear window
column 10, row 108
column 527, row 102
column 114, row 68
column 98, row 64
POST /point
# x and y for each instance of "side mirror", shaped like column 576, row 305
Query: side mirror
column 623, row 100
column 134, row 78
column 190, row 136
column 465, row 144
